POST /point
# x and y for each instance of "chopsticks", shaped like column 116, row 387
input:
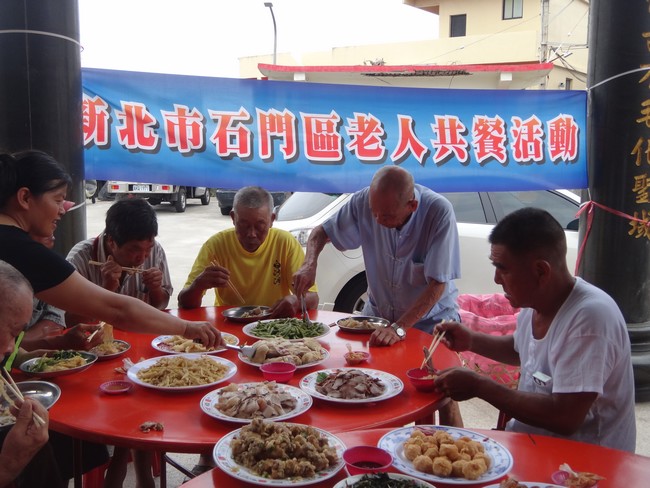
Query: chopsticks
column 124, row 268
column 214, row 262
column 101, row 326
column 434, row 343
column 13, row 388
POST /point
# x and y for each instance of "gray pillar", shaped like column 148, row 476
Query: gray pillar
column 40, row 92
column 617, row 250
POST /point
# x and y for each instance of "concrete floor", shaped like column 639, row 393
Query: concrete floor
column 182, row 234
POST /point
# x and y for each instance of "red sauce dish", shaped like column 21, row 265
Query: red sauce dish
column 116, row 387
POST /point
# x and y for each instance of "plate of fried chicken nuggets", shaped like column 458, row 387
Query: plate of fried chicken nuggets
column 447, row 454
column 304, row 353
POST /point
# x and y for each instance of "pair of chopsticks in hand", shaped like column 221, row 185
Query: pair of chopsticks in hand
column 124, row 268
column 214, row 262
column 8, row 383
column 434, row 344
column 100, row 327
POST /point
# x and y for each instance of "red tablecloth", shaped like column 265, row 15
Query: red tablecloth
column 535, row 459
column 86, row 413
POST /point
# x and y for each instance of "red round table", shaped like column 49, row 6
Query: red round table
column 85, row 413
column 535, row 459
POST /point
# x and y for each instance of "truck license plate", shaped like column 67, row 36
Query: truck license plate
column 141, row 188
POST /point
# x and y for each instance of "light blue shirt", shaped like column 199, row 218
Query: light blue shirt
column 401, row 263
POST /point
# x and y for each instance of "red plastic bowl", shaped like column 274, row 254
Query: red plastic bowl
column 279, row 372
column 366, row 459
column 356, row 357
column 421, row 379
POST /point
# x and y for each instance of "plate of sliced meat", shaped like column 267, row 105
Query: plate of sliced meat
column 351, row 385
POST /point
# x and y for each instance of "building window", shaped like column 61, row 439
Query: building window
column 457, row 25
column 513, row 9
column 568, row 84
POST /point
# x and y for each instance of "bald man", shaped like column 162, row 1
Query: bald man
column 409, row 240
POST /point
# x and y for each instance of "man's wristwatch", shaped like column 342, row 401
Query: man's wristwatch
column 401, row 333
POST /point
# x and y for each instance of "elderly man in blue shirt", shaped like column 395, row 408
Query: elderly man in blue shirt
column 409, row 239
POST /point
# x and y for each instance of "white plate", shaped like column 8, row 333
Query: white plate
column 530, row 484
column 132, row 373
column 501, row 458
column 393, row 476
column 222, row 456
column 325, row 353
column 248, row 330
column 159, row 344
column 393, row 384
column 210, row 401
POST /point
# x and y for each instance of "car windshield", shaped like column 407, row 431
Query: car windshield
column 303, row 205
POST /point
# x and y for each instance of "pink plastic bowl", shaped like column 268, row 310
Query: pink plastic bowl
column 116, row 387
column 356, row 357
column 366, row 459
column 419, row 380
column 279, row 372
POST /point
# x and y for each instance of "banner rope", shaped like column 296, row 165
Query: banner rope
column 41, row 33
column 620, row 75
column 589, row 207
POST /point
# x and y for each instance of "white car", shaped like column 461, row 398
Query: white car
column 341, row 276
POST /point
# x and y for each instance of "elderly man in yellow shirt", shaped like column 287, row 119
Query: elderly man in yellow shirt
column 257, row 259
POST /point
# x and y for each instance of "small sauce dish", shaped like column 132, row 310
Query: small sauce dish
column 116, row 387
column 366, row 459
column 279, row 372
column 421, row 379
column 356, row 357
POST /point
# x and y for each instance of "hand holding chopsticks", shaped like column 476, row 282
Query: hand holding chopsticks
column 9, row 384
column 434, row 344
column 214, row 262
column 124, row 268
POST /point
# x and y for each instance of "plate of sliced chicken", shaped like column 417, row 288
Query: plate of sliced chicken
column 351, row 385
column 265, row 399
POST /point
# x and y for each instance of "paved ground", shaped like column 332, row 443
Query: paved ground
column 182, row 234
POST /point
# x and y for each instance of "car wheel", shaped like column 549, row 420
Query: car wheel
column 353, row 296
column 225, row 210
column 181, row 201
column 205, row 199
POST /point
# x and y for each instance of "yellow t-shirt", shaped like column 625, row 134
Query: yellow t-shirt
column 262, row 277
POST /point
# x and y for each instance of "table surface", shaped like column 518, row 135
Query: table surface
column 84, row 412
column 536, row 457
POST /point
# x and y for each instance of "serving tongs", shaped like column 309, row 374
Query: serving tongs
column 247, row 351
column 305, row 314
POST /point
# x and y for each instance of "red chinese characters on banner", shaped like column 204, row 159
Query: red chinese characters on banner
column 276, row 125
column 323, row 143
column 95, row 118
column 489, row 139
column 408, row 142
column 450, row 141
column 137, row 130
column 231, row 137
column 183, row 129
column 366, row 134
column 320, row 139
column 527, row 138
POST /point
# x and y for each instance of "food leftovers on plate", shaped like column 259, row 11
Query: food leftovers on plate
column 351, row 323
column 579, row 479
column 5, row 416
column 349, row 384
column 255, row 312
column 289, row 328
column 279, row 450
column 440, row 454
column 110, row 348
column 265, row 400
column 181, row 344
column 58, row 361
column 297, row 352
column 175, row 371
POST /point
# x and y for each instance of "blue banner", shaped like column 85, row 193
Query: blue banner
column 296, row 136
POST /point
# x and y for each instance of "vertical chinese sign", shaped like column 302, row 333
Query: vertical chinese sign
column 614, row 231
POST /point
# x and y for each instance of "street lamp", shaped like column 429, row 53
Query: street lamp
column 275, row 32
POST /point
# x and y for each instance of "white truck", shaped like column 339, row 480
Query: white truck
column 156, row 193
